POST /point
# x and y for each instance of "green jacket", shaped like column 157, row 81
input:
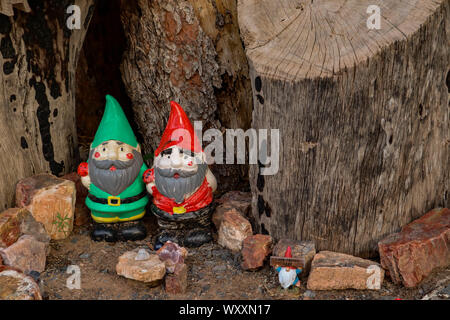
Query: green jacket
column 134, row 189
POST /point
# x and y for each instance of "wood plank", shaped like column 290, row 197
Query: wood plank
column 287, row 262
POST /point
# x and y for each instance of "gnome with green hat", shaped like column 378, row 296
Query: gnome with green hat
column 117, row 195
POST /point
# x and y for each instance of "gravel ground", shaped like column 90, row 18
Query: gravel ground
column 214, row 273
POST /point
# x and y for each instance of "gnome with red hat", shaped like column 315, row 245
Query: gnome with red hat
column 181, row 184
column 288, row 276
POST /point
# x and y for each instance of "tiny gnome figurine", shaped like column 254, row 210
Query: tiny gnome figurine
column 288, row 276
column 117, row 195
column 182, row 184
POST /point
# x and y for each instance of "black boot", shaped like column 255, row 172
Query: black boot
column 104, row 232
column 165, row 236
column 197, row 237
column 132, row 231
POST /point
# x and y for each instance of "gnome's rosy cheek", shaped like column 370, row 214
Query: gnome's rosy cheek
column 130, row 156
column 97, row 155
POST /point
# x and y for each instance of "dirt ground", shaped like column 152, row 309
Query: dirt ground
column 214, row 273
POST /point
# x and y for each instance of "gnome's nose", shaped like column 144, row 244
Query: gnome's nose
column 175, row 158
column 113, row 154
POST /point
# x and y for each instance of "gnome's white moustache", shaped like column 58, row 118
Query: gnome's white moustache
column 170, row 172
column 106, row 164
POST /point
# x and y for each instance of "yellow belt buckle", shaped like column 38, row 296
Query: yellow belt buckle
column 113, row 198
column 179, row 210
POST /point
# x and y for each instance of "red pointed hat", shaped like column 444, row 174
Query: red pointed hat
column 179, row 132
column 288, row 253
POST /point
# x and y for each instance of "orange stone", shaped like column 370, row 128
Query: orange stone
column 176, row 282
column 51, row 201
column 420, row 247
column 255, row 250
column 233, row 230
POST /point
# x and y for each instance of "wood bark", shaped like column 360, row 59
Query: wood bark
column 190, row 52
column 38, row 58
column 363, row 117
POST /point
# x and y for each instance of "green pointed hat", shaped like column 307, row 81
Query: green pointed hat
column 114, row 125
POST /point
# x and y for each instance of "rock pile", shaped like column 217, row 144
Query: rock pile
column 168, row 261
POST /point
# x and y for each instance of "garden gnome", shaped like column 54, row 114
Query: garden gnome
column 117, row 195
column 288, row 276
column 182, row 184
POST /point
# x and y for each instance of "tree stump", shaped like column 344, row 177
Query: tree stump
column 37, row 123
column 363, row 116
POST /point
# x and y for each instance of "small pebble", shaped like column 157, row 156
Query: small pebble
column 85, row 255
column 309, row 294
column 35, row 275
column 219, row 268
column 142, row 255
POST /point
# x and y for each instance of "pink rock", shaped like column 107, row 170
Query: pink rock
column 233, row 230
column 172, row 254
column 337, row 271
column 27, row 254
column 176, row 282
column 14, row 285
column 51, row 201
column 255, row 250
column 421, row 246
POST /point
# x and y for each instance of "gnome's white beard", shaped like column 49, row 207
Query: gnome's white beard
column 287, row 277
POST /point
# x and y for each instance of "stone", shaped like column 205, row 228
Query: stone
column 85, row 256
column 233, row 230
column 337, row 271
column 82, row 213
column 237, row 199
column 232, row 201
column 151, row 270
column 255, row 250
column 142, row 255
column 51, row 201
column 16, row 222
column 26, row 254
column 420, row 247
column 14, row 285
column 82, row 192
column 219, row 268
column 176, row 282
column 218, row 213
column 172, row 254
column 309, row 294
column 299, row 249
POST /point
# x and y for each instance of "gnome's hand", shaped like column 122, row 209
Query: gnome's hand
column 83, row 169
column 148, row 176
column 83, row 172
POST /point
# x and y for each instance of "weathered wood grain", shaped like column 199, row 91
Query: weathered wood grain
column 363, row 117
column 38, row 61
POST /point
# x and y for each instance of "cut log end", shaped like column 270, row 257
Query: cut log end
column 293, row 40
